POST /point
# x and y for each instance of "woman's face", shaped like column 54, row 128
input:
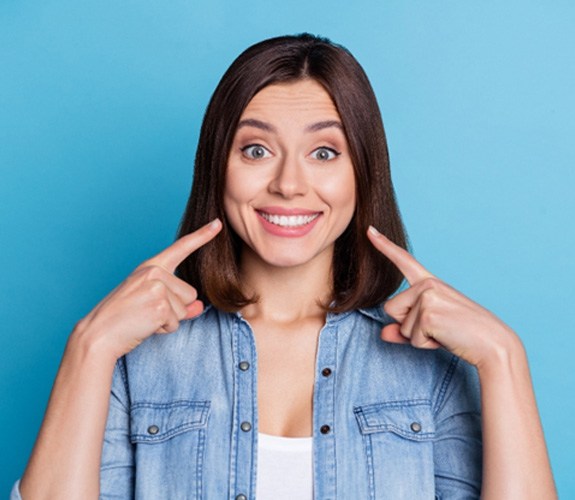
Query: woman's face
column 290, row 184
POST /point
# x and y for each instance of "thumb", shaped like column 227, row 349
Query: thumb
column 391, row 333
column 194, row 309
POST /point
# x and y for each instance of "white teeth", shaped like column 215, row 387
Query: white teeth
column 289, row 220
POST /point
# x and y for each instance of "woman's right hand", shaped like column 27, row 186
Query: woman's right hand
column 150, row 300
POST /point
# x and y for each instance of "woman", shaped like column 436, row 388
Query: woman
column 278, row 338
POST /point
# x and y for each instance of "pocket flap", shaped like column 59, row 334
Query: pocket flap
column 157, row 422
column 411, row 419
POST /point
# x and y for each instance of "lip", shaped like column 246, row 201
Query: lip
column 275, row 210
column 284, row 231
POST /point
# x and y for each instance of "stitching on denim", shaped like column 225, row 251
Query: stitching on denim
column 200, row 462
column 198, row 422
column 121, row 364
column 143, row 438
column 445, row 383
column 368, row 447
column 255, row 423
column 333, row 398
column 235, row 326
column 176, row 403
column 400, row 403
column 366, row 428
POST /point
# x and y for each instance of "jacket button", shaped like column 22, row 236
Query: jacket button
column 324, row 429
column 416, row 427
column 244, row 366
column 326, row 372
column 153, row 430
column 241, row 496
column 246, row 426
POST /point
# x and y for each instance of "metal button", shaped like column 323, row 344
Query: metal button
column 246, row 426
column 324, row 429
column 326, row 372
column 241, row 496
column 153, row 430
column 415, row 427
column 244, row 365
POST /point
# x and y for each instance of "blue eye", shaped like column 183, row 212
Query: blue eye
column 255, row 151
column 325, row 154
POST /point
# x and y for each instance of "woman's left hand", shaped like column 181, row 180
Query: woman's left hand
column 431, row 314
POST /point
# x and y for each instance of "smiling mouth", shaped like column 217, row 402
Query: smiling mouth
column 289, row 220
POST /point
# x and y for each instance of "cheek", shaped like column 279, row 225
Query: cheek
column 232, row 201
column 339, row 192
column 243, row 181
column 236, row 189
column 232, row 212
column 239, row 190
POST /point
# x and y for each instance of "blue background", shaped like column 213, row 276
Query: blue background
column 100, row 107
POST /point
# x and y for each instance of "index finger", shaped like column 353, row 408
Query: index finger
column 403, row 260
column 172, row 257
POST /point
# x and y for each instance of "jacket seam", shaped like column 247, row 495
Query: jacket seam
column 121, row 364
column 448, row 377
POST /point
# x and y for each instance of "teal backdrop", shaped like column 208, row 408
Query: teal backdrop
column 100, row 107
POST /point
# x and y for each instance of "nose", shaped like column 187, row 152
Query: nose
column 289, row 179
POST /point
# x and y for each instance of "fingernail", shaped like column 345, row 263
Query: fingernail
column 374, row 231
column 215, row 224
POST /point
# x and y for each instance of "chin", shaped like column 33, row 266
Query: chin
column 292, row 257
column 285, row 261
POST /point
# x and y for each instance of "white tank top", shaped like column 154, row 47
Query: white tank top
column 285, row 468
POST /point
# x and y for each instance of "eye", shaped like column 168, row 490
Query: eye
column 324, row 154
column 255, row 152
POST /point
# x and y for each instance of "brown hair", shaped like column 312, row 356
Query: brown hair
column 362, row 277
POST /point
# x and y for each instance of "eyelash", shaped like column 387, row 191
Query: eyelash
column 334, row 152
column 245, row 150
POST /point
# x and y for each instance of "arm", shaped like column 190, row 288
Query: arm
column 65, row 462
column 516, row 464
column 431, row 314
column 66, row 458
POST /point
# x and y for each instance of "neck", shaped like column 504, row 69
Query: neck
column 286, row 294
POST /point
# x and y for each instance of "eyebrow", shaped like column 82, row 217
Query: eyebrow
column 314, row 127
column 267, row 127
column 251, row 122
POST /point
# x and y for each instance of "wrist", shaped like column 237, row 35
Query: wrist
column 505, row 355
column 90, row 346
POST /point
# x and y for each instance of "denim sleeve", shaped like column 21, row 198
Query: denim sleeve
column 458, row 445
column 117, row 467
column 15, row 493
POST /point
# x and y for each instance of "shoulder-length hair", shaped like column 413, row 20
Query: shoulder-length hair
column 362, row 277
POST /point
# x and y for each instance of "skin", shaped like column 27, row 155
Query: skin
column 288, row 173
column 431, row 314
column 304, row 166
column 151, row 300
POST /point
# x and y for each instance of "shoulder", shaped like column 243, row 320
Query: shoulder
column 400, row 370
column 174, row 365
column 194, row 337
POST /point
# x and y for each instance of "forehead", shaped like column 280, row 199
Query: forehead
column 304, row 97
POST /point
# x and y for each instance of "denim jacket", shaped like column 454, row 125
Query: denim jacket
column 389, row 421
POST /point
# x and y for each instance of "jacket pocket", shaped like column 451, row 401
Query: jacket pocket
column 398, row 443
column 157, row 422
column 169, row 444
